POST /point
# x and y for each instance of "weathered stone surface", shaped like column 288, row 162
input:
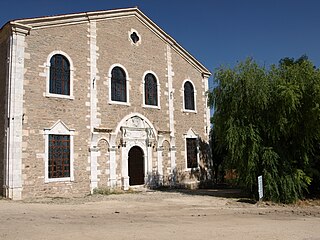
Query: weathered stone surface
column 101, row 157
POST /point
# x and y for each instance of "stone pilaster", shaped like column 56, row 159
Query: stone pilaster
column 171, row 107
column 15, row 78
column 207, row 113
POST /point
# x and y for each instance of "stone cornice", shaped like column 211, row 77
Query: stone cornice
column 69, row 19
column 20, row 28
column 13, row 27
column 206, row 75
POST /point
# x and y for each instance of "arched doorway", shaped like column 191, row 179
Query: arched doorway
column 136, row 166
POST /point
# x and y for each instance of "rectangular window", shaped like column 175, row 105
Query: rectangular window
column 59, row 156
column 192, row 153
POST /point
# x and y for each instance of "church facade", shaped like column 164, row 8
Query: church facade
column 94, row 100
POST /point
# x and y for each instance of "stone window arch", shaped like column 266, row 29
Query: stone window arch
column 60, row 71
column 151, row 90
column 189, row 96
column 118, row 85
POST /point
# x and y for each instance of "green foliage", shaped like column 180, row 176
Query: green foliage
column 111, row 191
column 268, row 120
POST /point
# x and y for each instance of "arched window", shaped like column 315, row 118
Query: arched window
column 118, row 85
column 188, row 96
column 59, row 75
column 150, row 90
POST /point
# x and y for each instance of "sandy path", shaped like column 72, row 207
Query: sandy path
column 155, row 215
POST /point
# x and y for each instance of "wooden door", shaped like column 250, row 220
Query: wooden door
column 136, row 166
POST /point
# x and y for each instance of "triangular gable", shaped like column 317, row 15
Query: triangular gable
column 58, row 128
column 191, row 134
column 76, row 18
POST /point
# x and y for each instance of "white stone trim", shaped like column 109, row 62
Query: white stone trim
column 15, row 80
column 122, row 122
column 160, row 157
column 207, row 112
column 129, row 37
column 146, row 158
column 128, row 79
column 195, row 97
column 47, row 73
column 59, row 128
column 112, row 160
column 191, row 134
column 136, row 130
column 93, row 105
column 171, row 90
column 85, row 17
column 143, row 90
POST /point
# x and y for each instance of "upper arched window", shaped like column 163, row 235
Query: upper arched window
column 118, row 85
column 150, row 90
column 59, row 75
column 189, row 96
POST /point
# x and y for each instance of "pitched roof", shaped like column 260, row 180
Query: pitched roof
column 76, row 18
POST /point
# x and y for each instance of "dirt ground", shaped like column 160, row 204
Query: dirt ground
column 202, row 214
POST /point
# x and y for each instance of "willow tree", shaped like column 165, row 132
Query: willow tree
column 269, row 121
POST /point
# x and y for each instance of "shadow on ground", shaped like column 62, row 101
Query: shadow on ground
column 226, row 192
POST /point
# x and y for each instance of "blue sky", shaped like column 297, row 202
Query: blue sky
column 215, row 32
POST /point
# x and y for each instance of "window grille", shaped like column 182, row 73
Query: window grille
column 118, row 85
column 188, row 96
column 59, row 75
column 59, row 156
column 192, row 152
column 150, row 90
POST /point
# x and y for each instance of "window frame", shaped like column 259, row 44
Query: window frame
column 191, row 135
column 59, row 128
column 47, row 70
column 194, row 97
column 127, row 102
column 144, row 93
column 53, row 144
column 131, row 41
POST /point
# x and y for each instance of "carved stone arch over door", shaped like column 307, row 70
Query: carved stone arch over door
column 136, row 130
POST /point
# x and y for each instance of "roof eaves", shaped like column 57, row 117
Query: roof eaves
column 76, row 18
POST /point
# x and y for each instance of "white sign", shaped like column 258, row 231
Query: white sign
column 260, row 187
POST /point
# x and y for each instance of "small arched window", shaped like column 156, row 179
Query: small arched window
column 59, row 75
column 118, row 85
column 189, row 96
column 150, row 90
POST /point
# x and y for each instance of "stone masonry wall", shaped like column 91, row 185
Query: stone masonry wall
column 183, row 119
column 113, row 47
column 42, row 112
column 116, row 48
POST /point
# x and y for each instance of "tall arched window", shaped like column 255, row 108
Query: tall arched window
column 188, row 96
column 150, row 90
column 59, row 75
column 118, row 85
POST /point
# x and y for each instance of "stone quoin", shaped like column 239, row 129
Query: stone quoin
column 101, row 99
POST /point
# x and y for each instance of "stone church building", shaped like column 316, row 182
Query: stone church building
column 101, row 99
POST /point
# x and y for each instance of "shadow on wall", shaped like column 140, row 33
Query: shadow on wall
column 2, row 188
column 200, row 177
